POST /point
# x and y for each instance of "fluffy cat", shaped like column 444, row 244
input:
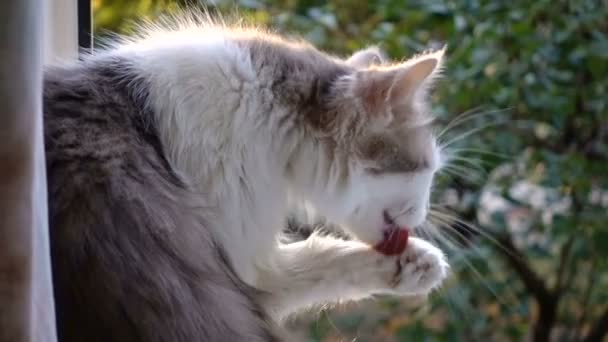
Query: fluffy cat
column 173, row 161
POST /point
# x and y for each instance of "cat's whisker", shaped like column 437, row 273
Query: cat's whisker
column 459, row 150
column 468, row 263
column 470, row 132
column 459, row 120
column 450, row 171
column 445, row 239
column 462, row 119
column 458, row 239
column 456, row 312
column 459, row 175
column 468, row 163
column 474, row 162
column 471, row 227
column 463, row 173
column 452, row 243
column 448, row 230
column 423, row 233
column 446, row 222
column 499, row 299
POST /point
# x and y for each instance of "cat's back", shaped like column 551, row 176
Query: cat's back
column 97, row 125
column 132, row 258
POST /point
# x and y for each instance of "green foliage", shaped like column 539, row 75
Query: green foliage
column 539, row 70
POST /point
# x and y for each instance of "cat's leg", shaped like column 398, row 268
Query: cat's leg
column 324, row 270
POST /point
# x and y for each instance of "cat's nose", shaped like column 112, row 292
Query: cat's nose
column 399, row 221
column 388, row 219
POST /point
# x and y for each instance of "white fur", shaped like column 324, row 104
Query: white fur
column 207, row 97
column 324, row 270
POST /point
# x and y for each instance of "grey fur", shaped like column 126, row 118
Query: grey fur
column 132, row 258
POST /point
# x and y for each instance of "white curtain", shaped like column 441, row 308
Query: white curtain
column 26, row 301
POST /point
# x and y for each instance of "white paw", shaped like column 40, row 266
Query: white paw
column 421, row 268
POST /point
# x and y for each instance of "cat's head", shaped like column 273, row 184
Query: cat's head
column 383, row 155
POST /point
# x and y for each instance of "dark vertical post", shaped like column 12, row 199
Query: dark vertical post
column 85, row 26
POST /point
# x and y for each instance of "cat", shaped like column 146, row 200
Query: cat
column 174, row 158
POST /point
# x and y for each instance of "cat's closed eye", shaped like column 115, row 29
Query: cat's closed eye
column 375, row 171
column 397, row 167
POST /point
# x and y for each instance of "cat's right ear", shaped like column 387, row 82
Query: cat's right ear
column 397, row 91
column 366, row 58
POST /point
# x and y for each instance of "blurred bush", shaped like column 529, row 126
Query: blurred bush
column 522, row 207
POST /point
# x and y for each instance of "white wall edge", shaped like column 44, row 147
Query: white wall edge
column 60, row 31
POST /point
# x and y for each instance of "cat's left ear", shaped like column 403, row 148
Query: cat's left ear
column 366, row 58
column 399, row 91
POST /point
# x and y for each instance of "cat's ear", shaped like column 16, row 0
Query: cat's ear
column 366, row 58
column 398, row 91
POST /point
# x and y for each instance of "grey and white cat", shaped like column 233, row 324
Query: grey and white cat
column 173, row 161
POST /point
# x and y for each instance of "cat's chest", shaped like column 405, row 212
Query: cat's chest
column 250, row 231
column 251, row 207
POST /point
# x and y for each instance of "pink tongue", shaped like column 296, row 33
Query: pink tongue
column 394, row 242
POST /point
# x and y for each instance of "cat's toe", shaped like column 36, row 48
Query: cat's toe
column 421, row 268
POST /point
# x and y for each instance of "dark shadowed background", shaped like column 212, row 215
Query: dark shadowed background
column 522, row 209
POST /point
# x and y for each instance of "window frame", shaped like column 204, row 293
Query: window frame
column 85, row 26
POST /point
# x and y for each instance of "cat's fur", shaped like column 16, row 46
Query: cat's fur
column 173, row 160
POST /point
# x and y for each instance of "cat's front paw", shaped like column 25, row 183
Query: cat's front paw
column 421, row 268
